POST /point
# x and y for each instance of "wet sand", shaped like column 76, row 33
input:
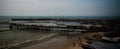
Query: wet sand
column 56, row 43
column 77, row 42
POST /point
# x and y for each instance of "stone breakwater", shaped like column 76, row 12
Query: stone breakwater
column 86, row 39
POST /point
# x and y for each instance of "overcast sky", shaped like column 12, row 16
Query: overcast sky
column 59, row 8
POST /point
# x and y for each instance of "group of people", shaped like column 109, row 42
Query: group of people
column 77, row 42
column 83, row 43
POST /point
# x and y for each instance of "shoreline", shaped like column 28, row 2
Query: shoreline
column 32, row 42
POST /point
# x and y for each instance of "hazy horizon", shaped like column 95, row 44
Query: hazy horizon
column 59, row 8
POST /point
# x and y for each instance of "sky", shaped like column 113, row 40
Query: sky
column 59, row 8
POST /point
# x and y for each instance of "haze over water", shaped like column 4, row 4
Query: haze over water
column 59, row 8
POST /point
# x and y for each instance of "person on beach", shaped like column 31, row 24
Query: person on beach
column 74, row 44
column 79, row 38
column 80, row 43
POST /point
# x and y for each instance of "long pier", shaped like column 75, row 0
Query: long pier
column 56, row 25
column 47, row 26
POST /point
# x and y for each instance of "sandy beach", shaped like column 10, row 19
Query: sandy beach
column 56, row 43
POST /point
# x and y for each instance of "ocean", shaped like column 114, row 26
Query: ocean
column 63, row 17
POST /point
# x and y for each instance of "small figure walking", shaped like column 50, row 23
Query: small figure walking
column 79, row 38
column 74, row 44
